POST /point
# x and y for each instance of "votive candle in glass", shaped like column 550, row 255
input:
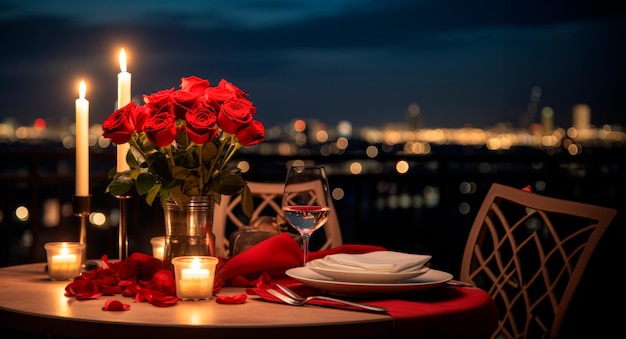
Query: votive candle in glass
column 194, row 276
column 64, row 259
column 158, row 245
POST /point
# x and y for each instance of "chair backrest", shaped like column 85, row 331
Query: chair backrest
column 529, row 253
column 227, row 216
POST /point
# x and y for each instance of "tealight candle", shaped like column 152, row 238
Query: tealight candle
column 64, row 259
column 194, row 276
column 158, row 245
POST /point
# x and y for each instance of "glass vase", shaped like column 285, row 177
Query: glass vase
column 188, row 230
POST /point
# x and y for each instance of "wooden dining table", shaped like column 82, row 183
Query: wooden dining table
column 32, row 303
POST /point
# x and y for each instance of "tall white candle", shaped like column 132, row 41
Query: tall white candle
column 82, row 142
column 123, row 98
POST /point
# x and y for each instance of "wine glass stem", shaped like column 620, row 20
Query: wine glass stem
column 305, row 246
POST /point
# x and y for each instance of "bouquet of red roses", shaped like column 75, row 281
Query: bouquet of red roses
column 181, row 141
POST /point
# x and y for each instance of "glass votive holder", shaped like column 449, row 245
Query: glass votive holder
column 65, row 259
column 158, row 244
column 194, row 276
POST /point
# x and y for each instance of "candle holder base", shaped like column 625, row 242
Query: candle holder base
column 82, row 208
column 123, row 227
column 88, row 266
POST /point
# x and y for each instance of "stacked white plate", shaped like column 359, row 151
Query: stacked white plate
column 372, row 267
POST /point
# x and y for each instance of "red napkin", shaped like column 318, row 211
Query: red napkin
column 273, row 257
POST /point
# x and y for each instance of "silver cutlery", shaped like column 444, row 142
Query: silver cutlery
column 292, row 298
column 459, row 283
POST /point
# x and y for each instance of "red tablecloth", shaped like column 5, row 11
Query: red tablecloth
column 441, row 312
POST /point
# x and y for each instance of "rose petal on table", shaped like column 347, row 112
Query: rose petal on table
column 165, row 301
column 231, row 300
column 115, row 305
column 88, row 296
column 111, row 290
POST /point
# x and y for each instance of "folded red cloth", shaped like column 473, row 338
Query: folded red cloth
column 274, row 256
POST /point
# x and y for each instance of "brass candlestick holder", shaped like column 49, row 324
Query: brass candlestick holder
column 82, row 208
column 123, row 226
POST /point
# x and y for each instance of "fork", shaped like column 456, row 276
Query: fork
column 294, row 299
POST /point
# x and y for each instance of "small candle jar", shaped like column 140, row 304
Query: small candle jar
column 158, row 243
column 194, row 276
column 65, row 259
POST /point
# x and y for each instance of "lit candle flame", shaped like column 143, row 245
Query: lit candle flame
column 123, row 60
column 82, row 89
column 195, row 264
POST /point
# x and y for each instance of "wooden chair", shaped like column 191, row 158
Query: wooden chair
column 529, row 253
column 228, row 217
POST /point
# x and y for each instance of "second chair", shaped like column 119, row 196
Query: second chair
column 529, row 252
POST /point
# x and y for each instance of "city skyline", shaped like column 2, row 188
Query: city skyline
column 361, row 61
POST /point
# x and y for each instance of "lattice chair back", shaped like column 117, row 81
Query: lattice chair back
column 529, row 253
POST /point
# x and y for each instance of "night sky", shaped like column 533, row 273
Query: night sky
column 364, row 61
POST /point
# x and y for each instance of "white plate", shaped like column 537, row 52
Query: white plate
column 366, row 277
column 432, row 278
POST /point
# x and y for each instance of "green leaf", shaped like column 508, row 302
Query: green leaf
column 152, row 194
column 120, row 186
column 179, row 172
column 187, row 159
column 193, row 190
column 182, row 139
column 209, row 151
column 179, row 197
column 144, row 183
column 130, row 159
column 135, row 173
column 158, row 165
column 247, row 203
column 217, row 198
column 112, row 172
column 228, row 183
column 191, row 185
column 170, row 184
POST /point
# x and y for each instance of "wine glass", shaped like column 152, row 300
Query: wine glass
column 306, row 201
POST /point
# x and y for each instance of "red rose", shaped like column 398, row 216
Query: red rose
column 251, row 134
column 194, row 84
column 234, row 114
column 142, row 113
column 201, row 125
column 160, row 129
column 210, row 101
column 249, row 103
column 119, row 126
column 228, row 85
column 159, row 101
column 220, row 94
column 182, row 102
